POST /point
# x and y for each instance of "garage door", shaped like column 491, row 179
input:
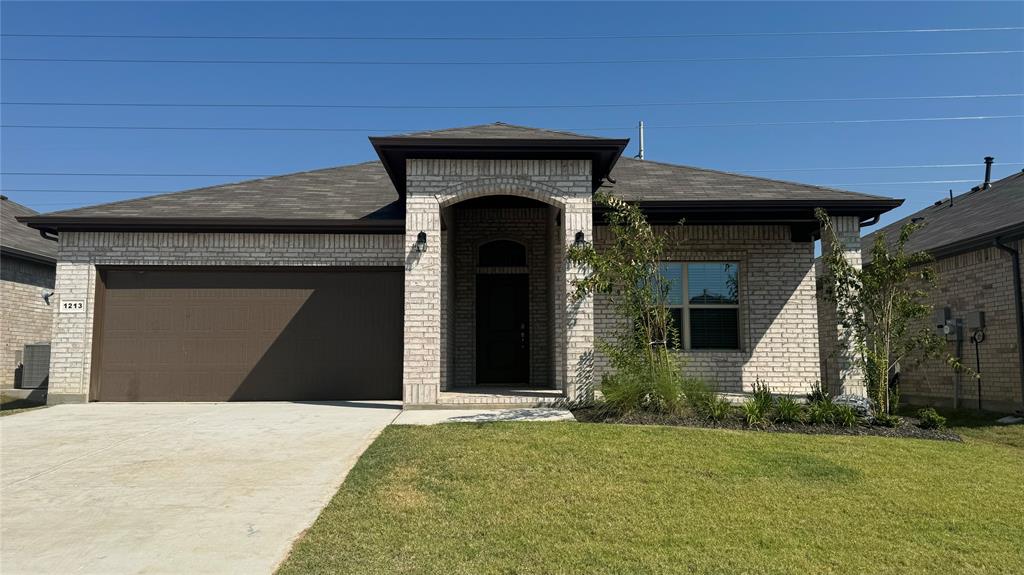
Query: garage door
column 215, row 335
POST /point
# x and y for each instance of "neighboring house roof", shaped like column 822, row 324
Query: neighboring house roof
column 972, row 220
column 362, row 197
column 19, row 240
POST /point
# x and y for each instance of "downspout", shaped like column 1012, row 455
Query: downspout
column 48, row 235
column 1018, row 304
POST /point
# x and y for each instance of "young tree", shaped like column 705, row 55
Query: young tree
column 626, row 271
column 881, row 306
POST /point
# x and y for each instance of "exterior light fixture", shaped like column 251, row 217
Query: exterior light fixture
column 421, row 242
column 581, row 240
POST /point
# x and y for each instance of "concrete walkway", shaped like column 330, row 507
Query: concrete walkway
column 435, row 416
column 171, row 488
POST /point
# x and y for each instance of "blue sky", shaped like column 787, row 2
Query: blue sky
column 753, row 149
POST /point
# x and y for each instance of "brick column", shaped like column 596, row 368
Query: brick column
column 579, row 315
column 421, row 371
column 842, row 375
column 71, row 347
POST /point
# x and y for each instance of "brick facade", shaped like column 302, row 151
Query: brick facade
column 839, row 373
column 981, row 280
column 778, row 309
column 433, row 187
column 80, row 252
column 25, row 317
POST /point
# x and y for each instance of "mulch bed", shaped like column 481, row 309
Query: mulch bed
column 908, row 428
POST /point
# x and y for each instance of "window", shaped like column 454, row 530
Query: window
column 703, row 299
column 502, row 254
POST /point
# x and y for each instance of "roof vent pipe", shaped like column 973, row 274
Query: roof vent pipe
column 640, row 155
column 988, row 172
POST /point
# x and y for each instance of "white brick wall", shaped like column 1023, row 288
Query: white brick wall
column 840, row 372
column 778, row 309
column 80, row 252
column 433, row 185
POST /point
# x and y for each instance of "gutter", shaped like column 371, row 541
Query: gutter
column 1018, row 304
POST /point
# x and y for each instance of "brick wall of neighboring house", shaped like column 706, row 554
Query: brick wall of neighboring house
column 981, row 280
column 469, row 229
column 24, row 316
column 778, row 309
column 80, row 253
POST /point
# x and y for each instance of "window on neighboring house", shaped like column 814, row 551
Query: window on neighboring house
column 703, row 299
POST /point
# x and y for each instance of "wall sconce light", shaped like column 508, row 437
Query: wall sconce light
column 581, row 240
column 47, row 294
column 421, row 242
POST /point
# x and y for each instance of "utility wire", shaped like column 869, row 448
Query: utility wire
column 79, row 191
column 213, row 175
column 506, row 106
column 513, row 62
column 516, row 38
column 591, row 129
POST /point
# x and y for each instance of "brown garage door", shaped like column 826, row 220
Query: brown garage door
column 215, row 335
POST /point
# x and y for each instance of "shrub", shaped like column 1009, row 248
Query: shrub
column 930, row 419
column 716, row 409
column 696, row 393
column 822, row 412
column 787, row 410
column 817, row 393
column 887, row 420
column 755, row 413
column 844, row 415
column 640, row 385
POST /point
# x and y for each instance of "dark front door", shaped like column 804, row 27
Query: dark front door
column 502, row 336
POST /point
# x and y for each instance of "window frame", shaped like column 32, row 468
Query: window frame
column 684, row 329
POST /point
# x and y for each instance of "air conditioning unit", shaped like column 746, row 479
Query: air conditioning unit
column 36, row 361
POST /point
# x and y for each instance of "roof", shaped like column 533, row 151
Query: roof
column 971, row 220
column 497, row 131
column 497, row 141
column 364, row 197
column 19, row 240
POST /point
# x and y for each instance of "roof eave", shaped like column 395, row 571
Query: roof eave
column 27, row 255
column 764, row 211
column 245, row 225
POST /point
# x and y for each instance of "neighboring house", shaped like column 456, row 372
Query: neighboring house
column 975, row 238
column 27, row 269
column 435, row 275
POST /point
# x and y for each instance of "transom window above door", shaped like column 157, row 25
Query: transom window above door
column 703, row 299
column 502, row 254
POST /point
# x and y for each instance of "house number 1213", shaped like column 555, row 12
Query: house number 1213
column 72, row 306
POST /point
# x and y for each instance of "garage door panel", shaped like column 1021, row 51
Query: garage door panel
column 218, row 335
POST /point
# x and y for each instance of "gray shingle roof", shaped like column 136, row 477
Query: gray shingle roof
column 644, row 180
column 976, row 216
column 364, row 193
column 17, row 238
column 498, row 131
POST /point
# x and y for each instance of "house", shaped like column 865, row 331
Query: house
column 976, row 239
column 435, row 275
column 27, row 270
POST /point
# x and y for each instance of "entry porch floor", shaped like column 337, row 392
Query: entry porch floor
column 500, row 396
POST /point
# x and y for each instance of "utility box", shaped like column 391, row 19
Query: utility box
column 942, row 319
column 975, row 320
column 36, row 361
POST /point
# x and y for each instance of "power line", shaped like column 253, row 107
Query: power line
column 158, row 192
column 519, row 38
column 514, row 62
column 239, row 175
column 590, row 129
column 506, row 106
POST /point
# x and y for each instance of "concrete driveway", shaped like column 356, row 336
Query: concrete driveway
column 171, row 488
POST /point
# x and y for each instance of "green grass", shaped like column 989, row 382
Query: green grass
column 600, row 498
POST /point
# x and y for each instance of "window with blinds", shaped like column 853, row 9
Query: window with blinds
column 703, row 299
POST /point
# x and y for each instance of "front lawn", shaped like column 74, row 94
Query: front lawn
column 602, row 498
